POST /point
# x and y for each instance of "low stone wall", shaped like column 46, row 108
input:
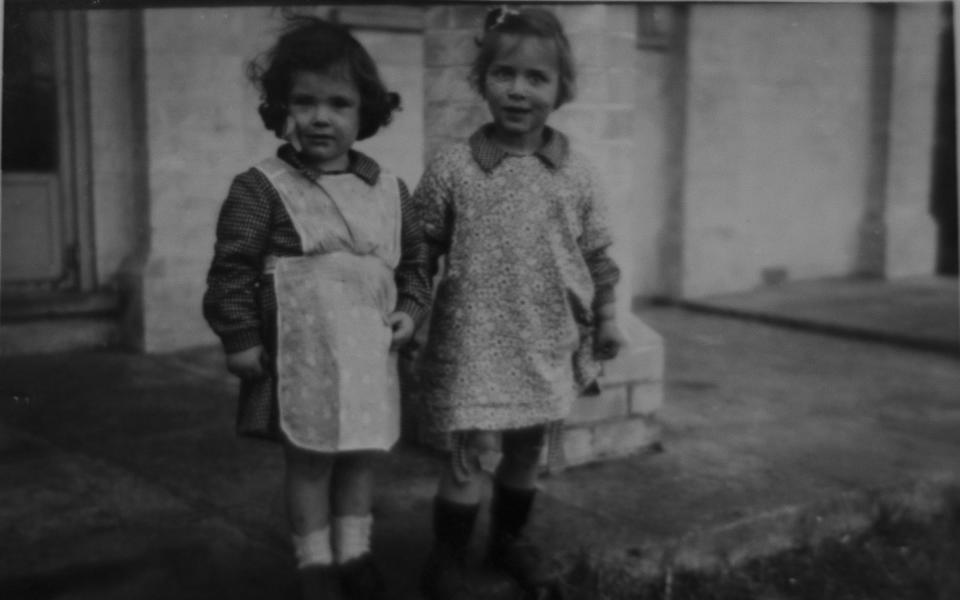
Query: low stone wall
column 619, row 421
column 623, row 418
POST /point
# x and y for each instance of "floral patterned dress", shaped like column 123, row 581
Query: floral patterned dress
column 524, row 239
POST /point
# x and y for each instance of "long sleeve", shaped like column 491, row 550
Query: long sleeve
column 243, row 229
column 413, row 272
column 432, row 201
column 606, row 276
column 595, row 242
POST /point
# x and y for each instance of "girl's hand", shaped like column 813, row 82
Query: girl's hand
column 402, row 325
column 248, row 364
column 608, row 340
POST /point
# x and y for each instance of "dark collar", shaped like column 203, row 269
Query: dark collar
column 360, row 164
column 488, row 155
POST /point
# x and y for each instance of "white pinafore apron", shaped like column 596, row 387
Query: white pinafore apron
column 337, row 387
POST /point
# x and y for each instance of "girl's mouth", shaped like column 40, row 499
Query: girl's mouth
column 516, row 113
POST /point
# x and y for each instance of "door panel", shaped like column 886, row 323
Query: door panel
column 39, row 210
column 32, row 247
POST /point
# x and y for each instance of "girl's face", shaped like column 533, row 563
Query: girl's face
column 521, row 86
column 325, row 110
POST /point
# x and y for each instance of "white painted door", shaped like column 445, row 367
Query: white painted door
column 40, row 240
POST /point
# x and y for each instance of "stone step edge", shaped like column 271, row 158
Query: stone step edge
column 648, row 440
column 650, row 418
column 811, row 324
column 61, row 334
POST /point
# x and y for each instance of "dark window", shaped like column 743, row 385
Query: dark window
column 29, row 90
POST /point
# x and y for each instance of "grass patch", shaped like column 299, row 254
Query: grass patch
column 896, row 558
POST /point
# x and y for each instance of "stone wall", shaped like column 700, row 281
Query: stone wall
column 807, row 145
column 776, row 149
column 202, row 130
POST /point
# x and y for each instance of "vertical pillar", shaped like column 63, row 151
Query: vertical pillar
column 674, row 161
column 911, row 232
column 871, row 254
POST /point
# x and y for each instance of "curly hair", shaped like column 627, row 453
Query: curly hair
column 535, row 22
column 312, row 44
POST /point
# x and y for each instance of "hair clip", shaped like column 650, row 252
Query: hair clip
column 497, row 16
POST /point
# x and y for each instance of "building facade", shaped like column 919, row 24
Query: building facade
column 741, row 145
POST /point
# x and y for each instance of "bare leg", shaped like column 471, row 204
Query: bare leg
column 352, row 498
column 352, row 488
column 521, row 458
column 307, row 486
column 461, row 483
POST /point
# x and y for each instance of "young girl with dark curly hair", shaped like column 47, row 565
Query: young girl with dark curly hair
column 318, row 276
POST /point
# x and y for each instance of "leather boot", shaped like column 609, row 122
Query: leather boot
column 320, row 582
column 445, row 575
column 360, row 579
column 512, row 552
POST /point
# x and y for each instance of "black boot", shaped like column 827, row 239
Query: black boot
column 445, row 574
column 362, row 580
column 320, row 582
column 510, row 550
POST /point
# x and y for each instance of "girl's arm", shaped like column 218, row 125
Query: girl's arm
column 230, row 303
column 595, row 242
column 432, row 201
column 413, row 272
column 606, row 275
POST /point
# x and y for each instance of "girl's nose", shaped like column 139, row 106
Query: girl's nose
column 517, row 88
column 321, row 114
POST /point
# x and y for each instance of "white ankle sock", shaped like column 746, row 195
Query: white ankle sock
column 313, row 548
column 351, row 536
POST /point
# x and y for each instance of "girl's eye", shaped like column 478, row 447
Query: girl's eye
column 500, row 73
column 301, row 101
column 341, row 102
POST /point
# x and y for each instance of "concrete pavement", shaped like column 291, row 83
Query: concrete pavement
column 919, row 312
column 121, row 476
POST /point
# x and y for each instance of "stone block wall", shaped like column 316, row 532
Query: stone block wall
column 776, row 151
column 623, row 418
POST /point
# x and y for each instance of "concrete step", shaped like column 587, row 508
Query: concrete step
column 42, row 336
column 32, row 307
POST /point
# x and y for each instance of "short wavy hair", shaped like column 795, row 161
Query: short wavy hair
column 312, row 44
column 535, row 22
